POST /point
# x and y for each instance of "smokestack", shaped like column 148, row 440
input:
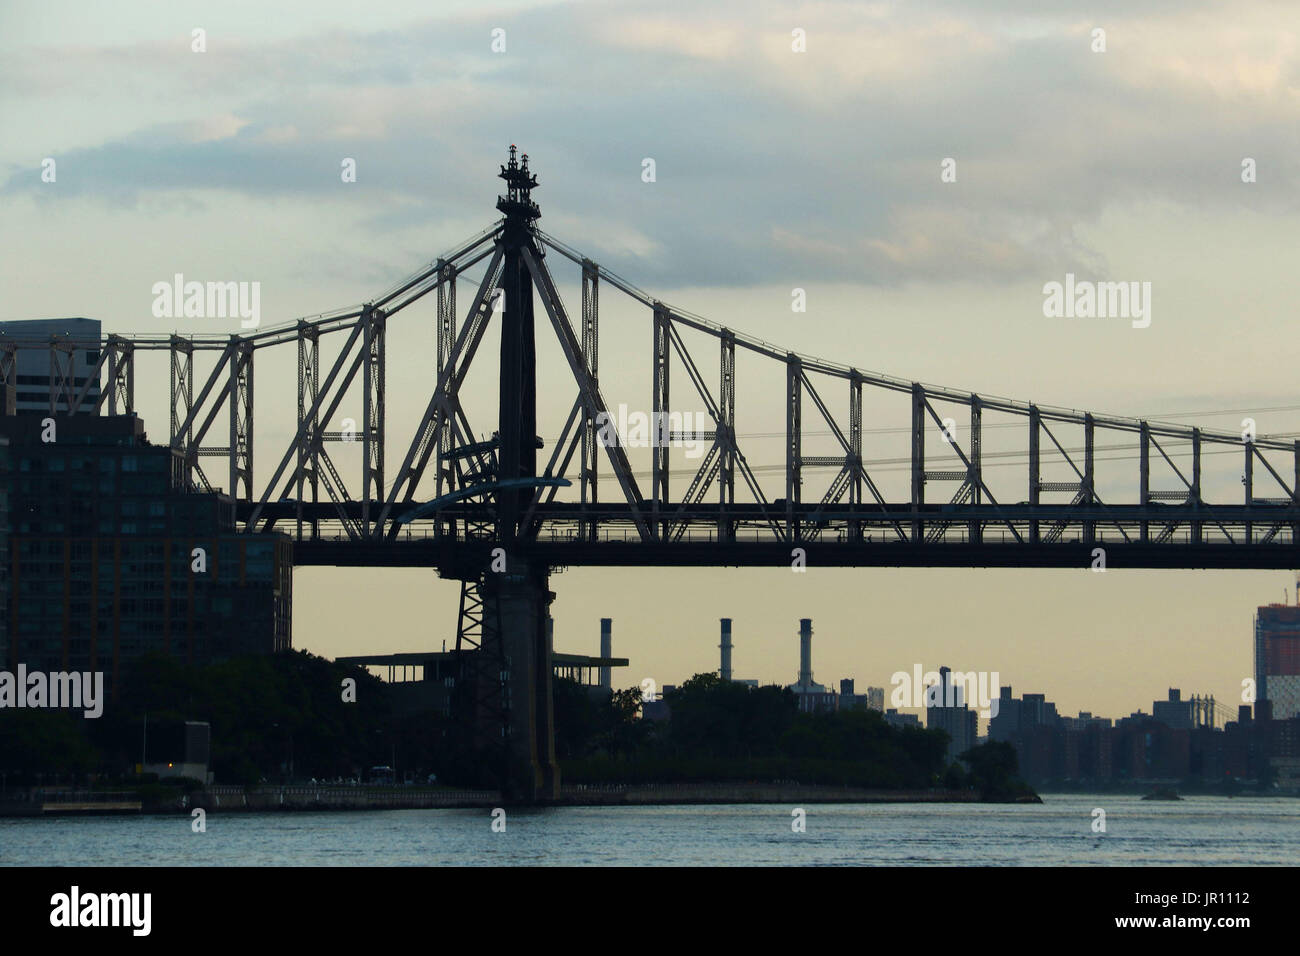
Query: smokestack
column 606, row 650
column 805, row 650
column 725, row 670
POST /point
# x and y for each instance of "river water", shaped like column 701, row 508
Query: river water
column 1060, row 831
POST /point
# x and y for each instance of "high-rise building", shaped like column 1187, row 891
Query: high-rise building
column 109, row 560
column 1037, row 711
column 56, row 360
column 1174, row 712
column 951, row 713
column 1277, row 660
column 1004, row 724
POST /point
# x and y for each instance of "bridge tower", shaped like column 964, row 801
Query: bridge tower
column 518, row 412
column 516, row 592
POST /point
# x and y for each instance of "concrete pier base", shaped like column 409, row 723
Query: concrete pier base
column 523, row 599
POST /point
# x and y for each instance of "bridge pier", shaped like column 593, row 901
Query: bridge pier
column 519, row 599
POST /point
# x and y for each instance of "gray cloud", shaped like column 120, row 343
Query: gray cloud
column 823, row 165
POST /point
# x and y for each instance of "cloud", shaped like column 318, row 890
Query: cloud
column 769, row 162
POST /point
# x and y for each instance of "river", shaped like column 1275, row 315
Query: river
column 1059, row 832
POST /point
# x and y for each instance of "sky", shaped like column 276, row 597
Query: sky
column 1117, row 156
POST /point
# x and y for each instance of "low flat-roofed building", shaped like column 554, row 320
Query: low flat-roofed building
column 425, row 680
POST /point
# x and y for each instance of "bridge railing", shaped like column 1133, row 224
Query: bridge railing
column 873, row 532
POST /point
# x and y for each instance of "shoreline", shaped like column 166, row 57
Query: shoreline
column 307, row 798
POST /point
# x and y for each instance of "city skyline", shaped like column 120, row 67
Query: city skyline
column 820, row 182
column 769, row 652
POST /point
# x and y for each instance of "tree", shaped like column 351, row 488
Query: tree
column 994, row 771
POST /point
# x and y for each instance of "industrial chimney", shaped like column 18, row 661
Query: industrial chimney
column 725, row 670
column 805, row 651
column 606, row 650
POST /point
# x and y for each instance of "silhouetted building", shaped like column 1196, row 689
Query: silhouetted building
column 1095, row 752
column 1238, row 749
column 1017, row 717
column 1037, row 748
column 895, row 719
column 427, row 680
column 848, row 700
column 1176, row 744
column 1277, row 660
column 109, row 561
column 1135, row 719
column 1004, row 725
column 1036, row 710
column 74, row 361
column 951, row 715
column 1174, row 712
column 1084, row 721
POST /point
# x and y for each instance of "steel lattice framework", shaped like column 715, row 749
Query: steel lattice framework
column 451, row 497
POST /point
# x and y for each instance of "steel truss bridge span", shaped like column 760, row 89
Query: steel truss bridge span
column 726, row 511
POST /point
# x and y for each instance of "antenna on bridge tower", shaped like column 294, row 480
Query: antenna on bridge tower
column 517, row 203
